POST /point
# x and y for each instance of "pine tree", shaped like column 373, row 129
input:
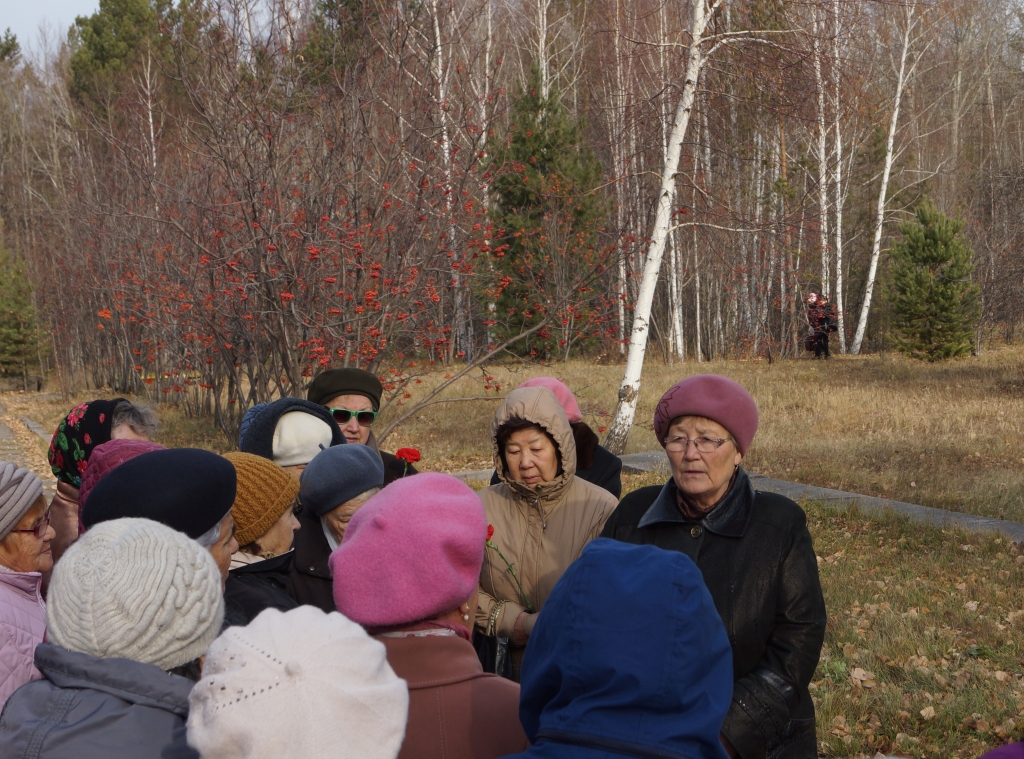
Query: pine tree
column 547, row 219
column 18, row 333
column 935, row 303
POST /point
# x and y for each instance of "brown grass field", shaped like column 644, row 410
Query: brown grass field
column 923, row 653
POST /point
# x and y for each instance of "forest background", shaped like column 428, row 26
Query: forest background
column 211, row 200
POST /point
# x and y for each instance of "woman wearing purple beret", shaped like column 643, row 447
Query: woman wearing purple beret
column 755, row 554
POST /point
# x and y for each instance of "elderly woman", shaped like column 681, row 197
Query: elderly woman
column 628, row 659
column 594, row 462
column 297, row 684
column 352, row 396
column 542, row 514
column 289, row 432
column 187, row 489
column 337, row 482
column 131, row 605
column 756, row 556
column 407, row 571
column 25, row 536
column 85, row 427
column 265, row 525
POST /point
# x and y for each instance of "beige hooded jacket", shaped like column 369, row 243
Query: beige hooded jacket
column 540, row 530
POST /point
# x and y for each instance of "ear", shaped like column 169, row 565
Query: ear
column 738, row 458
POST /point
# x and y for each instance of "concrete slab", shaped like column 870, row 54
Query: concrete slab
column 483, row 475
column 37, row 429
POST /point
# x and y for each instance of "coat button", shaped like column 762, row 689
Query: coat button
column 695, row 531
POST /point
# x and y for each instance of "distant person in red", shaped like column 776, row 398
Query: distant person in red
column 821, row 320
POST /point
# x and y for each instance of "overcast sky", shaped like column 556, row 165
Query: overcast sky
column 25, row 16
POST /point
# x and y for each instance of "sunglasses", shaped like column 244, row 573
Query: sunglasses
column 342, row 416
column 40, row 529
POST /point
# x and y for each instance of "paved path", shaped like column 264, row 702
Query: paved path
column 652, row 461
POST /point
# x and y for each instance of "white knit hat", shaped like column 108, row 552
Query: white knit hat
column 19, row 490
column 297, row 683
column 299, row 437
column 135, row 589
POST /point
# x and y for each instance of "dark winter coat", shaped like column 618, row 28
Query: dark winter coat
column 395, row 468
column 628, row 659
column 254, row 587
column 757, row 559
column 594, row 463
column 92, row 708
column 309, row 577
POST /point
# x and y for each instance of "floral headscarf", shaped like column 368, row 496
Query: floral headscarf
column 85, row 427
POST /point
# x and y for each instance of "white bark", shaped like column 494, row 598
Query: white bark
column 677, row 345
column 837, row 179
column 876, row 247
column 826, row 274
column 629, row 392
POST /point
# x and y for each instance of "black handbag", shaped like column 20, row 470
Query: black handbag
column 492, row 651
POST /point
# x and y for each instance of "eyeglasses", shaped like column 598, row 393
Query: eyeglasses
column 40, row 529
column 702, row 444
column 342, row 415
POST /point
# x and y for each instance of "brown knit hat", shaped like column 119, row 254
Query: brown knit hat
column 265, row 492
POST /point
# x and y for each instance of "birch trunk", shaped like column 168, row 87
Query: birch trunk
column 876, row 246
column 837, row 180
column 629, row 392
column 826, row 273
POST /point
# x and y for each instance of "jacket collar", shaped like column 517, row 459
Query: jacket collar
column 280, row 563
column 27, row 582
column 729, row 518
column 431, row 661
column 132, row 681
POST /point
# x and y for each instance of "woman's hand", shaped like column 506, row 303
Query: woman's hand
column 523, row 628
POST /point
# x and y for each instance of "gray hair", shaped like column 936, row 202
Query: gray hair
column 142, row 419
column 209, row 538
column 365, row 496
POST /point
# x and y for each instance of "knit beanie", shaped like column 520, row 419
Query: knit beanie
column 135, row 589
column 564, row 395
column 265, row 492
column 247, row 419
column 299, row 683
column 334, row 382
column 107, row 457
column 299, row 437
column 712, row 396
column 187, row 489
column 337, row 475
column 413, row 551
column 19, row 490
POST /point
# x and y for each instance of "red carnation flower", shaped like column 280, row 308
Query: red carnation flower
column 409, row 455
column 490, row 531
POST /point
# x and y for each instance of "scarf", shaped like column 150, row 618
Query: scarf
column 86, row 426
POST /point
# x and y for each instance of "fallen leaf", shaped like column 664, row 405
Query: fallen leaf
column 981, row 726
column 928, row 712
column 1002, row 676
column 971, row 606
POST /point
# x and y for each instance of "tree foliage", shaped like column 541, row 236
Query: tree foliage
column 18, row 325
column 547, row 218
column 935, row 302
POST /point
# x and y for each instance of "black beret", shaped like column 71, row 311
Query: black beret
column 258, row 438
column 187, row 489
column 334, row 382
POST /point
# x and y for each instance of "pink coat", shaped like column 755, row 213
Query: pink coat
column 22, row 625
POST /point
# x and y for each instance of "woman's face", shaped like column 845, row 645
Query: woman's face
column 704, row 477
column 278, row 539
column 22, row 551
column 338, row 518
column 352, row 430
column 531, row 457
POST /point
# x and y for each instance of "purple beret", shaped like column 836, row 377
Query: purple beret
column 715, row 397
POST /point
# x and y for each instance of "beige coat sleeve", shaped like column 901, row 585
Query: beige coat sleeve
column 507, row 617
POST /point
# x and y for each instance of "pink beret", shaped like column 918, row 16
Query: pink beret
column 715, row 397
column 564, row 395
column 411, row 552
column 107, row 457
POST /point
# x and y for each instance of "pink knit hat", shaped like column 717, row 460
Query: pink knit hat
column 564, row 395
column 411, row 552
column 715, row 397
column 107, row 457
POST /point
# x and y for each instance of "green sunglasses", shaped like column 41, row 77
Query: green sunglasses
column 342, row 416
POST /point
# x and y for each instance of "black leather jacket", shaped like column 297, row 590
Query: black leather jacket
column 758, row 562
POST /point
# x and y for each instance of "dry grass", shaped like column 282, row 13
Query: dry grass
column 948, row 435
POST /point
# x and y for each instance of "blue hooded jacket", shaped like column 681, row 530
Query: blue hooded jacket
column 628, row 658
